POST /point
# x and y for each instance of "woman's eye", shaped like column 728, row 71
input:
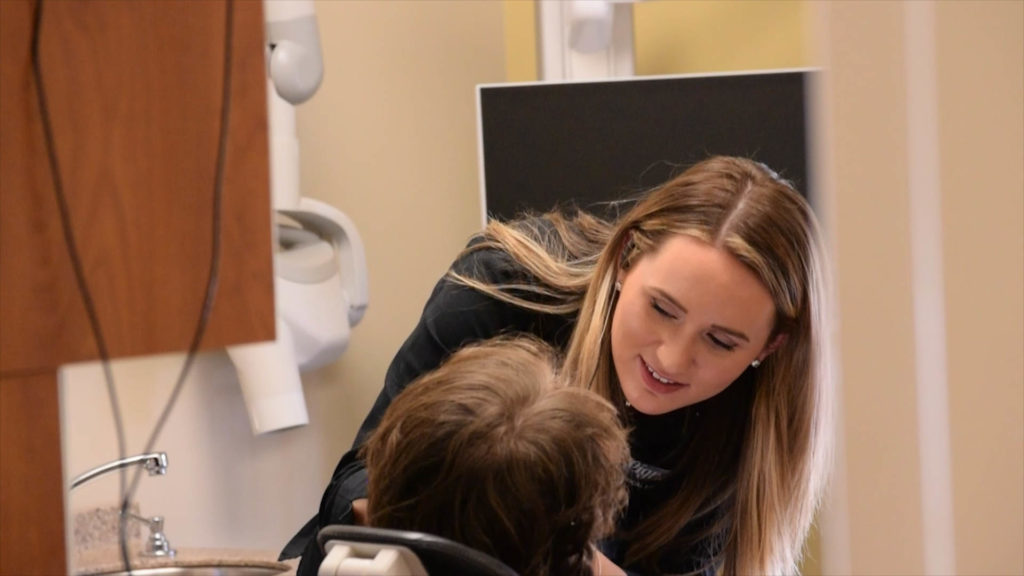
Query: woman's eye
column 657, row 308
column 721, row 343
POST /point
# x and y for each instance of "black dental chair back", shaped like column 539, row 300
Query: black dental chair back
column 439, row 556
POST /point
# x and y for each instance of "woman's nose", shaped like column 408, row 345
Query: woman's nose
column 678, row 356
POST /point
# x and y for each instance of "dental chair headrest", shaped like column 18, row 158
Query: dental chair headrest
column 438, row 555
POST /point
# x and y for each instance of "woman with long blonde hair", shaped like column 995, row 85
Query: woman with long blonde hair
column 701, row 315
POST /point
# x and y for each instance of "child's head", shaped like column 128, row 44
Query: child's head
column 491, row 450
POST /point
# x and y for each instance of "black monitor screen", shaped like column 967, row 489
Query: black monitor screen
column 588, row 143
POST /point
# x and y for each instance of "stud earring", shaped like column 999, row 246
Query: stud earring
column 618, row 286
column 755, row 363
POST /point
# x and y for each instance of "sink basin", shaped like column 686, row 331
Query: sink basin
column 199, row 571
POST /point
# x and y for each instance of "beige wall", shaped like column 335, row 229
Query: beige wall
column 390, row 139
column 683, row 36
column 924, row 139
column 520, row 21
column 870, row 231
column 687, row 36
column 981, row 110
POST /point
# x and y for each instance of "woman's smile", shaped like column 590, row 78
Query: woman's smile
column 655, row 382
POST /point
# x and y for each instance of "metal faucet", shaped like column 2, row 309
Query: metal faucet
column 155, row 463
column 157, row 545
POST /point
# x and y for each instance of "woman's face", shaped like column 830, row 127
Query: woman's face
column 689, row 320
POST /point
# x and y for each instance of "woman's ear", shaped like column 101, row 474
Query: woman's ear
column 626, row 253
column 771, row 346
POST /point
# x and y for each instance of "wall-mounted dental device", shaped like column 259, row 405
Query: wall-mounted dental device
column 320, row 277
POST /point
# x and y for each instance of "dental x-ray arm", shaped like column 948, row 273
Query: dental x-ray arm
column 336, row 228
column 294, row 60
column 320, row 280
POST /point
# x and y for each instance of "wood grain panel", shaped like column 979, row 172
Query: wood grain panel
column 31, row 482
column 135, row 96
column 42, row 314
column 134, row 91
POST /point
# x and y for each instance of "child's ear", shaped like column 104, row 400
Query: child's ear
column 361, row 512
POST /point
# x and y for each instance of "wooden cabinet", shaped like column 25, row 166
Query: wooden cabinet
column 134, row 93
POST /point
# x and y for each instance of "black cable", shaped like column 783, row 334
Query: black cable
column 213, row 273
column 76, row 263
column 212, row 276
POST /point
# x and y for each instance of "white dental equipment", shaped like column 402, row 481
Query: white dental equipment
column 320, row 277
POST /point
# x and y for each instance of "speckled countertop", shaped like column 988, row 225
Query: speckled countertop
column 95, row 549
